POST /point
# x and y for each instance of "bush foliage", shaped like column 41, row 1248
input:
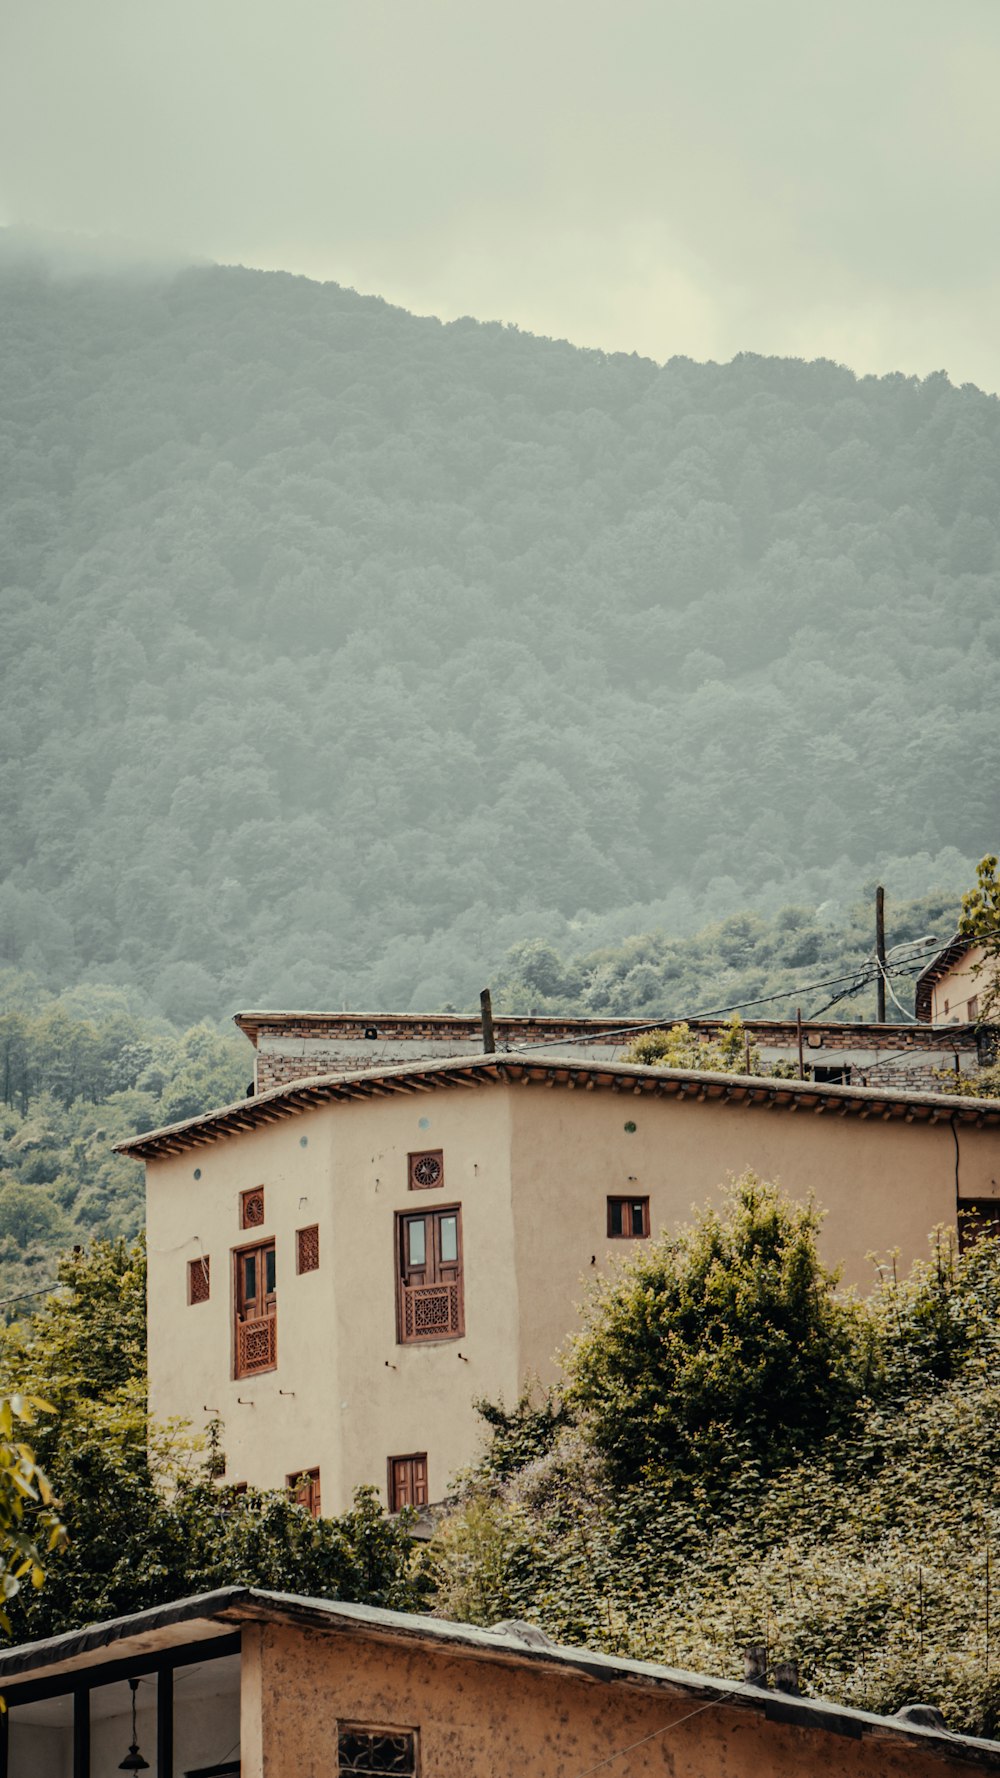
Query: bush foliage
column 845, row 1513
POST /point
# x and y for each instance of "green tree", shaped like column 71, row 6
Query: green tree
column 980, row 919
column 720, row 1344
column 733, row 1051
column 30, row 1526
column 146, row 1520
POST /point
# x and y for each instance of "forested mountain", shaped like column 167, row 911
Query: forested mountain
column 344, row 649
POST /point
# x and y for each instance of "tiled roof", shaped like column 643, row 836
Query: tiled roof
column 879, row 1103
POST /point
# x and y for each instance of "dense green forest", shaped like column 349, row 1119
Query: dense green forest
column 344, row 650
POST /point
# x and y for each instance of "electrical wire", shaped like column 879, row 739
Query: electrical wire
column 22, row 1295
column 622, row 1751
column 713, row 1012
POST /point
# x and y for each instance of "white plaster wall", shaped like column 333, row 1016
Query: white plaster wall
column 37, row 1752
column 288, row 1426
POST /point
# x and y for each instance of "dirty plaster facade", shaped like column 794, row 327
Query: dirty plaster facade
column 531, row 1156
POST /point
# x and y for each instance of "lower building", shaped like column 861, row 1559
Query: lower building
column 263, row 1685
column 340, row 1267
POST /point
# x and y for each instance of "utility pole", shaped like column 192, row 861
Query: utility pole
column 486, row 1015
column 798, row 1035
column 880, row 949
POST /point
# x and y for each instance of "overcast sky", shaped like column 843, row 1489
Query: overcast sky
column 695, row 176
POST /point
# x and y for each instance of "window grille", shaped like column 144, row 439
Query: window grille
column 377, row 1750
column 307, row 1249
column 256, row 1345
column 199, row 1279
column 252, row 1208
column 429, row 1276
column 426, row 1170
column 256, row 1308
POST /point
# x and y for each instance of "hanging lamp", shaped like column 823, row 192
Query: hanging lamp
column 133, row 1761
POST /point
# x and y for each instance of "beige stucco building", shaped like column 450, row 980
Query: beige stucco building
column 950, row 990
column 248, row 1684
column 339, row 1267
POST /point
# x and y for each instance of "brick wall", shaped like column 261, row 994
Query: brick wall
column 290, row 1048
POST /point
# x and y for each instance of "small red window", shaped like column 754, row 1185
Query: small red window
column 426, row 1170
column 307, row 1249
column 407, row 1481
column 978, row 1220
column 252, row 1208
column 199, row 1279
column 304, row 1489
column 628, row 1218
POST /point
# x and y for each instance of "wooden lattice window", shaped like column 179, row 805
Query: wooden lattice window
column 199, row 1279
column 252, row 1208
column 304, row 1489
column 426, row 1170
column 364, row 1750
column 978, row 1220
column 628, row 1218
column 307, row 1249
column 407, row 1481
column 429, row 1289
column 255, row 1296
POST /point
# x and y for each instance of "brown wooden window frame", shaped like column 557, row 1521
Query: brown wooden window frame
column 630, row 1200
column 304, row 1487
column 240, row 1368
column 402, row 1759
column 307, row 1249
column 199, row 1280
column 392, row 1494
column 413, row 1166
column 248, row 1220
column 977, row 1217
column 416, row 1303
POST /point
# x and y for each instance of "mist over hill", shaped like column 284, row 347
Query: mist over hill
column 344, row 649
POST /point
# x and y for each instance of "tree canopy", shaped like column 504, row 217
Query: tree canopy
column 344, row 650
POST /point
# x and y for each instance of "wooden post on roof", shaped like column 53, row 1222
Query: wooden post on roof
column 798, row 1033
column 880, row 949
column 486, row 1014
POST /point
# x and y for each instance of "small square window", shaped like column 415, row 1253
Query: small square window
column 307, row 1249
column 978, row 1220
column 628, row 1218
column 252, row 1208
column 304, row 1489
column 361, row 1749
column 407, row 1481
column 426, row 1170
column 199, row 1279
column 973, row 1009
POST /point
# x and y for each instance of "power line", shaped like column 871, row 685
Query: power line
column 714, row 1012
column 622, row 1751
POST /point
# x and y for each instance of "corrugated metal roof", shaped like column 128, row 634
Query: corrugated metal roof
column 148, row 1631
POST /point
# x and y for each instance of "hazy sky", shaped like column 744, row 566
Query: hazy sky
column 696, row 176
